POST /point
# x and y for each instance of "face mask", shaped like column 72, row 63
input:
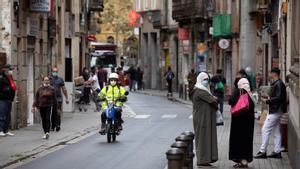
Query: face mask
column 205, row 83
column 10, row 72
column 46, row 84
column 113, row 83
column 54, row 74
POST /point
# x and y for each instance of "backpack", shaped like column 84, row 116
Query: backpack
column 219, row 86
column 169, row 75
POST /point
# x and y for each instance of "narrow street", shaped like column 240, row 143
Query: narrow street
column 142, row 145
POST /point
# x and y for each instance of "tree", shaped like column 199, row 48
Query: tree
column 115, row 14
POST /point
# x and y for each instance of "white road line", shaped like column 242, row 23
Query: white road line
column 142, row 116
column 191, row 116
column 169, row 116
column 128, row 112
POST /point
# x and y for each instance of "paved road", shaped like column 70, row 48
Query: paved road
column 142, row 145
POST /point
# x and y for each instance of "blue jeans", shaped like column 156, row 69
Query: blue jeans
column 5, row 109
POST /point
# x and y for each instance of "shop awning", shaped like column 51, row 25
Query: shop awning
column 222, row 25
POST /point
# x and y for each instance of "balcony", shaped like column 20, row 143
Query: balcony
column 156, row 19
column 184, row 10
column 96, row 5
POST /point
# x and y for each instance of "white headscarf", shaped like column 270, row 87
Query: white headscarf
column 200, row 78
column 243, row 83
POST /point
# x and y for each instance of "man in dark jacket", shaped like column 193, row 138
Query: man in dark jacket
column 219, row 83
column 7, row 95
column 277, row 105
column 59, row 85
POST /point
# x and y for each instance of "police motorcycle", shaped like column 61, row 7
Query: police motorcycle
column 111, row 126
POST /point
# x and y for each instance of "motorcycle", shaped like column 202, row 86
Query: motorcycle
column 111, row 126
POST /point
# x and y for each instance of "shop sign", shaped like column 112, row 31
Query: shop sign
column 183, row 34
column 186, row 45
column 32, row 27
column 40, row 5
column 223, row 43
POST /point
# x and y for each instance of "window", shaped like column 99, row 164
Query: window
column 146, row 4
column 153, row 4
column 138, row 5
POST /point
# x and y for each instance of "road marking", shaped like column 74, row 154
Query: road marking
column 142, row 116
column 128, row 112
column 169, row 116
column 191, row 116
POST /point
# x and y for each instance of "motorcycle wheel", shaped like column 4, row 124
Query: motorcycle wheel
column 109, row 135
column 114, row 134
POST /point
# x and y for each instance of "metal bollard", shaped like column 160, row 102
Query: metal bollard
column 191, row 138
column 189, row 141
column 175, row 158
column 184, row 147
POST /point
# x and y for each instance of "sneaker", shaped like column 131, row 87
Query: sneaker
column 47, row 136
column 44, row 136
column 275, row 155
column 9, row 134
column 260, row 155
column 2, row 134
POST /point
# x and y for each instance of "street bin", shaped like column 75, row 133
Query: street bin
column 182, row 146
column 175, row 158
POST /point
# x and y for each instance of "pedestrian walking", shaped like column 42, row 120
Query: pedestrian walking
column 277, row 105
column 133, row 78
column 191, row 78
column 94, row 83
column 58, row 84
column 204, row 121
column 140, row 74
column 46, row 102
column 86, row 89
column 252, row 78
column 121, row 81
column 102, row 76
column 218, row 86
column 85, row 73
column 242, row 127
column 169, row 77
column 7, row 94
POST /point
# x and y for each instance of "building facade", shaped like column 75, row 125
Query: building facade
column 34, row 39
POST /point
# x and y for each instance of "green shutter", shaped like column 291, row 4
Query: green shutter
column 222, row 25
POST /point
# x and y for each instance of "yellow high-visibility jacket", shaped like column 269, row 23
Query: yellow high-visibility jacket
column 112, row 93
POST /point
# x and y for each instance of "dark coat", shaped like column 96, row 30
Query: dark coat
column 204, row 120
column 241, row 131
column 277, row 101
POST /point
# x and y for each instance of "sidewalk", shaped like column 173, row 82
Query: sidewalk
column 223, row 140
column 28, row 141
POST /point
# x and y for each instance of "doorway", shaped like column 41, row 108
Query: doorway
column 30, row 84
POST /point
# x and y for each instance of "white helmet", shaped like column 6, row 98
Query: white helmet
column 113, row 76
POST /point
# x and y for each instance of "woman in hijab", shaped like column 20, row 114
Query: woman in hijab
column 204, row 120
column 242, row 127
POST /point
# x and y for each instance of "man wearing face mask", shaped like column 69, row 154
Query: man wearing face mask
column 112, row 92
column 59, row 85
column 7, row 94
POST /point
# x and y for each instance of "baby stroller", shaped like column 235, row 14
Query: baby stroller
column 82, row 98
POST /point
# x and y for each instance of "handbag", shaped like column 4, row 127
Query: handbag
column 219, row 118
column 242, row 105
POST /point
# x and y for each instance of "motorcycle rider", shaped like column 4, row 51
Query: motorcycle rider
column 115, row 93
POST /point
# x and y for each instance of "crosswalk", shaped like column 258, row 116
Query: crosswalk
column 129, row 113
column 163, row 116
